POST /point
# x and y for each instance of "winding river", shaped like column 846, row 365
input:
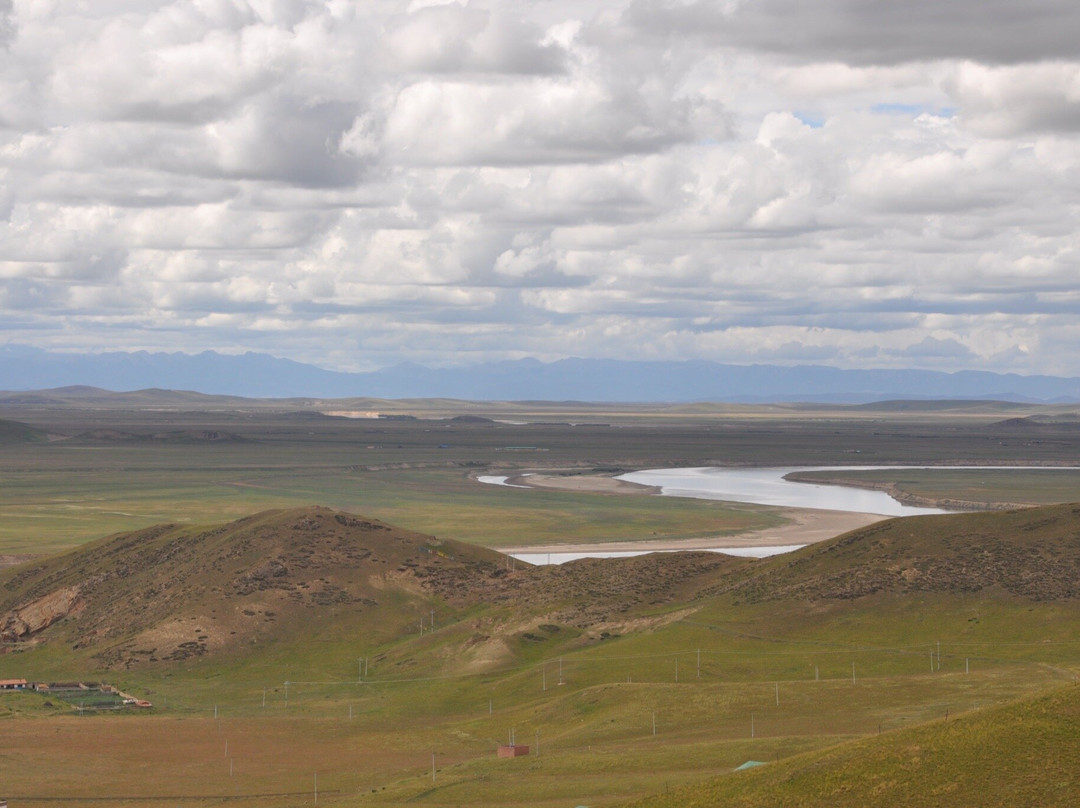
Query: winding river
column 767, row 486
column 762, row 486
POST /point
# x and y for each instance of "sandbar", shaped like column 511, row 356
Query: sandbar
column 806, row 525
column 587, row 483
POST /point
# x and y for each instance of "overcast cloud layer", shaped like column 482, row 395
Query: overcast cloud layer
column 355, row 183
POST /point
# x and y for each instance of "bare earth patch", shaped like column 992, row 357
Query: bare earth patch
column 588, row 483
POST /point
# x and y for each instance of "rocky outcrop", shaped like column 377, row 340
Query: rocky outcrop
column 30, row 618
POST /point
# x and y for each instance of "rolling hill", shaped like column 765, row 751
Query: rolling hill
column 1025, row 753
column 1032, row 554
column 466, row 644
column 170, row 593
column 14, row 432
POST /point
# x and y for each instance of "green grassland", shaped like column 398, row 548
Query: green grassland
column 631, row 691
column 124, row 468
column 1025, row 753
column 836, row 665
column 371, row 743
column 43, row 512
column 977, row 487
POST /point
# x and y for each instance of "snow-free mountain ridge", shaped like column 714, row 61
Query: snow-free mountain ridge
column 263, row 376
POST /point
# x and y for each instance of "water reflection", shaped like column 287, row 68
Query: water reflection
column 767, row 486
column 742, row 552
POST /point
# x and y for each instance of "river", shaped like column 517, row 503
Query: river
column 762, row 486
column 767, row 486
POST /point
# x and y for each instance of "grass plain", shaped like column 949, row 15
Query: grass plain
column 674, row 693
column 122, row 468
column 977, row 487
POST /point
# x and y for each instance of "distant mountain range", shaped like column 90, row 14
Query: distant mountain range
column 255, row 375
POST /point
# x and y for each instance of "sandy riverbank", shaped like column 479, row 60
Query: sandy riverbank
column 807, row 525
column 582, row 483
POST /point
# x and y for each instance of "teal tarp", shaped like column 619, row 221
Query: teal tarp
column 750, row 764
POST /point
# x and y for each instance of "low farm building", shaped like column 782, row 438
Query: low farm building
column 92, row 695
column 508, row 751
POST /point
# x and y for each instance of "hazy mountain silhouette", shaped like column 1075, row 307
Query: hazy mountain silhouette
column 263, row 376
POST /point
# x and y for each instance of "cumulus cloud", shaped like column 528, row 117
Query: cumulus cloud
column 1014, row 100
column 853, row 182
column 454, row 39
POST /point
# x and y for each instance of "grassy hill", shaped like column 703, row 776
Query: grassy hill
column 14, row 432
column 337, row 644
column 1021, row 754
column 169, row 593
column 1030, row 553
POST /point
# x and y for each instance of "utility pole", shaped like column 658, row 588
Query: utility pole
column 699, row 663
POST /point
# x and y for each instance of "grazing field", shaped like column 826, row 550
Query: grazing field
column 372, row 743
column 309, row 649
column 46, row 512
column 965, row 761
column 636, row 676
column 71, row 473
column 975, row 488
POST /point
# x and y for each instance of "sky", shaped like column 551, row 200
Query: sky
column 356, row 183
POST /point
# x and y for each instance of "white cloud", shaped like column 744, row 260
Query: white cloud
column 852, row 182
column 1018, row 99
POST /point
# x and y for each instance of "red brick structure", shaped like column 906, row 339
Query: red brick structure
column 513, row 751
